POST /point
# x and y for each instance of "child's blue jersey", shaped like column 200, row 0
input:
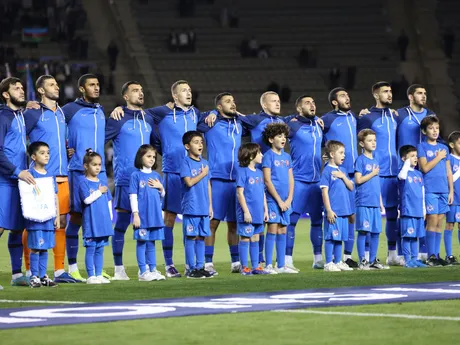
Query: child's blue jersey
column 383, row 123
column 13, row 151
column 455, row 165
column 172, row 125
column 409, row 132
column 128, row 134
column 254, row 190
column 148, row 198
column 339, row 194
column 195, row 199
column 305, row 138
column 368, row 193
column 49, row 224
column 86, row 129
column 96, row 216
column 411, row 194
column 341, row 126
column 436, row 178
column 49, row 126
column 256, row 125
column 279, row 165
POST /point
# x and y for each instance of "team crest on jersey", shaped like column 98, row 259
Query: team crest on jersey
column 142, row 183
column 277, row 163
column 333, row 178
column 430, row 153
column 430, row 208
column 41, row 242
column 194, row 172
column 455, row 167
column 368, row 167
column 251, row 180
column 248, row 229
column 91, row 190
column 409, row 179
column 366, row 224
column 410, row 231
column 190, row 228
column 272, row 215
column 335, row 233
column 142, row 232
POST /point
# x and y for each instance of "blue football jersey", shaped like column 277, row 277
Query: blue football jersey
column 195, row 200
column 254, row 188
column 368, row 193
column 279, row 165
column 338, row 191
column 411, row 194
column 436, row 178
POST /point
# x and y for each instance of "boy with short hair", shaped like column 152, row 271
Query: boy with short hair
column 196, row 204
column 335, row 187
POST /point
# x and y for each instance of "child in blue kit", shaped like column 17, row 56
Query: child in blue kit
column 279, row 181
column 145, row 193
column 196, row 204
column 96, row 216
column 411, row 206
column 368, row 200
column 434, row 163
column 251, row 207
column 41, row 234
column 335, row 187
column 453, row 215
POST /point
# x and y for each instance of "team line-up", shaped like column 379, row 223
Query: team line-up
column 404, row 169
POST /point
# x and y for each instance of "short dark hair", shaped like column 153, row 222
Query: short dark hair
column 332, row 146
column 40, row 82
column 333, row 94
column 35, row 146
column 411, row 89
column 176, row 84
column 453, row 137
column 380, row 84
column 274, row 129
column 126, row 85
column 299, row 99
column 220, row 96
column 5, row 86
column 188, row 136
column 90, row 155
column 404, row 150
column 427, row 121
column 143, row 149
column 82, row 80
column 364, row 133
column 247, row 153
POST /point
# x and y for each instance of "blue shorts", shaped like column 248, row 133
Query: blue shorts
column 10, row 208
column 249, row 230
column 196, row 226
column 368, row 219
column 122, row 198
column 389, row 189
column 453, row 216
column 149, row 234
column 337, row 231
column 75, row 202
column 308, row 199
column 412, row 227
column 173, row 190
column 436, row 203
column 224, row 200
column 276, row 216
column 96, row 242
column 41, row 239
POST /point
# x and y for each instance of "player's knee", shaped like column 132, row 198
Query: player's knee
column 169, row 218
column 75, row 218
column 450, row 226
column 351, row 219
column 63, row 221
column 391, row 213
column 214, row 225
column 255, row 238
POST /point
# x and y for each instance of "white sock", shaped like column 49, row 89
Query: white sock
column 58, row 273
column 73, row 268
column 367, row 256
column 392, row 254
column 422, row 256
column 318, row 257
column 28, row 273
column 288, row 260
column 16, row 276
column 346, row 256
column 119, row 269
column 236, row 263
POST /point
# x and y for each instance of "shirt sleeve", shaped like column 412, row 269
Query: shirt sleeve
column 241, row 177
column 359, row 166
column 325, row 178
column 421, row 151
column 185, row 169
column 364, row 122
column 112, row 128
column 6, row 167
column 133, row 183
column 250, row 121
column 267, row 161
column 31, row 117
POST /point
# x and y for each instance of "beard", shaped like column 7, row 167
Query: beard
column 229, row 113
column 16, row 102
column 52, row 97
column 386, row 103
column 92, row 99
column 344, row 107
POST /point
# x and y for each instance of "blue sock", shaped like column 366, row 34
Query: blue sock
column 261, row 247
column 43, row 263
column 316, row 237
column 414, row 249
column 280, row 250
column 34, row 265
column 422, row 245
column 190, row 252
column 254, row 254
column 209, row 253
column 437, row 248
column 270, row 240
column 71, row 241
column 244, row 253
column 374, row 247
column 431, row 242
column 99, row 260
column 367, row 245
column 140, row 255
column 329, row 250
column 89, row 261
column 349, row 244
column 360, row 244
column 199, row 248
column 407, row 250
column 398, row 239
column 151, row 255
column 234, row 255
column 15, row 248
column 448, row 242
column 118, row 239
column 168, row 244
column 290, row 235
column 337, row 251
column 391, row 227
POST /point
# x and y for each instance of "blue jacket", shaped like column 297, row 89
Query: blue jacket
column 172, row 124
column 13, row 151
column 383, row 123
column 86, row 129
column 128, row 134
column 48, row 126
column 256, row 124
column 409, row 132
column 305, row 138
column 341, row 126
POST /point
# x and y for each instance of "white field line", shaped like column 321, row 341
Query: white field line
column 396, row 316
column 39, row 301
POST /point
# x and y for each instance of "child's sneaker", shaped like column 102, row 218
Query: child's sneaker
column 246, row 271
column 35, row 282
column 351, row 263
column 205, row 273
column 65, row 278
column 195, row 274
column 172, row 272
column 393, row 261
column 106, row 275
column 103, row 279
column 292, row 267
column 259, row 270
column 420, row 263
column 331, row 267
column 376, row 265
column 236, row 267
column 410, row 264
column 20, row 281
column 363, row 265
column 77, row 276
column 433, row 261
column 286, row 270
column 442, row 262
column 270, row 270
column 343, row 266
column 452, row 260
column 157, row 275
column 145, row 277
column 120, row 273
column 93, row 280
column 46, row 281
column 209, row 266
column 319, row 265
